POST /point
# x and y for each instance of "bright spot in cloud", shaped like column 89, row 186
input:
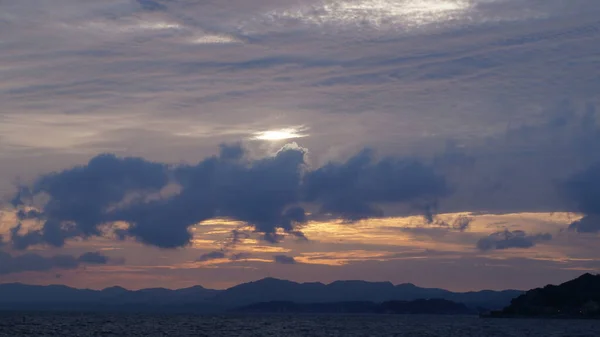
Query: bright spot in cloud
column 215, row 39
column 280, row 134
column 378, row 13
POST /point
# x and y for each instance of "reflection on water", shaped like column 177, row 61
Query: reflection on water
column 19, row 324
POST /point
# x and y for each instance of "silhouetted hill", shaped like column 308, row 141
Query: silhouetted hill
column 431, row 307
column 578, row 298
column 199, row 299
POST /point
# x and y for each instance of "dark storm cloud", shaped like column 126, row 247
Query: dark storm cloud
column 264, row 193
column 587, row 224
column 80, row 197
column 28, row 215
column 231, row 151
column 53, row 233
column 583, row 189
column 239, row 256
column 461, row 223
column 151, row 5
column 10, row 264
column 530, row 166
column 211, row 256
column 260, row 192
column 353, row 190
column 93, row 258
column 511, row 239
column 284, row 259
column 257, row 192
column 437, row 228
column 23, row 192
column 236, row 237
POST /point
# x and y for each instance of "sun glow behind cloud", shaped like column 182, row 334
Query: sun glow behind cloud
column 214, row 39
column 280, row 134
column 337, row 244
column 379, row 13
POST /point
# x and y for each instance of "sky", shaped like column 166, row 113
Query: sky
column 170, row 143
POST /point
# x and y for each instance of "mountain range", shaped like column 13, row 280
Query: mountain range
column 199, row 299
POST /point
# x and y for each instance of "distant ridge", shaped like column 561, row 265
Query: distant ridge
column 199, row 299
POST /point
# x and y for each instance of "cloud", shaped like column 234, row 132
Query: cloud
column 587, row 224
column 265, row 193
column 53, row 233
column 10, row 264
column 237, row 236
column 78, row 77
column 93, row 258
column 511, row 239
column 519, row 169
column 80, row 197
column 258, row 192
column 22, row 192
column 583, row 189
column 28, row 215
column 461, row 223
column 384, row 15
column 231, row 151
column 284, row 259
column 239, row 256
column 353, row 189
column 211, row 256
column 262, row 192
column 151, row 5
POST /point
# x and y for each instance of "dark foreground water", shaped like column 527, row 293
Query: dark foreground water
column 49, row 324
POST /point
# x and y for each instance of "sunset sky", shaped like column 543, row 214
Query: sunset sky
column 169, row 143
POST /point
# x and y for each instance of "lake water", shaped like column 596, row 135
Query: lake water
column 52, row 324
